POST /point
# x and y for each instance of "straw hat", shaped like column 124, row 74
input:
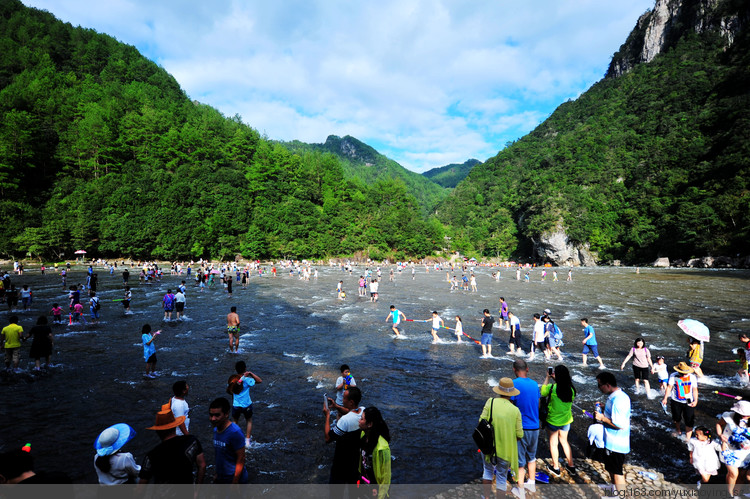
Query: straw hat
column 742, row 408
column 506, row 387
column 113, row 438
column 166, row 420
column 683, row 368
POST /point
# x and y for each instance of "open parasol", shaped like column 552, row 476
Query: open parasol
column 695, row 329
column 81, row 252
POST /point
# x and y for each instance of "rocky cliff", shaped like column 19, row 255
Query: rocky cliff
column 661, row 28
column 555, row 247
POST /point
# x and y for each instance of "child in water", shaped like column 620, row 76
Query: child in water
column 662, row 373
column 742, row 372
column 695, row 356
column 703, row 454
column 459, row 329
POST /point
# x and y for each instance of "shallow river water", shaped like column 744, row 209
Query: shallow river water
column 295, row 334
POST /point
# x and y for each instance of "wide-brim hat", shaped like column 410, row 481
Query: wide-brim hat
column 742, row 408
column 113, row 438
column 166, row 420
column 683, row 368
column 506, row 388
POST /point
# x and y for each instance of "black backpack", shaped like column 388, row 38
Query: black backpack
column 484, row 435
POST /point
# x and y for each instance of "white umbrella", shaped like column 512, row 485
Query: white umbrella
column 81, row 252
column 695, row 329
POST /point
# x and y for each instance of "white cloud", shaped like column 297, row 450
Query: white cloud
column 426, row 82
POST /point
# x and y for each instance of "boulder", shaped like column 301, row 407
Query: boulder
column 678, row 263
column 661, row 262
column 708, row 261
column 723, row 261
column 694, row 262
column 556, row 247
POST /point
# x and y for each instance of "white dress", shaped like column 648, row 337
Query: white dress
column 705, row 457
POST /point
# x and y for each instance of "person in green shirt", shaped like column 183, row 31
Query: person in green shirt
column 11, row 334
column 559, row 416
column 508, row 429
column 375, row 463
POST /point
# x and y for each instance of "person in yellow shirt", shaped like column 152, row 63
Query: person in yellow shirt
column 11, row 334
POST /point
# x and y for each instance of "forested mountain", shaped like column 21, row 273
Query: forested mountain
column 361, row 161
column 100, row 149
column 450, row 175
column 653, row 160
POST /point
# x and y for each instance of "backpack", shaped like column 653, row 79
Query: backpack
column 556, row 333
column 484, row 435
column 234, row 386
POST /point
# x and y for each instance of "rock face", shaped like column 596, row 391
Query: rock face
column 555, row 247
column 660, row 28
column 661, row 262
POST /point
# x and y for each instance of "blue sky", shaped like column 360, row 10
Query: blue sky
column 426, row 83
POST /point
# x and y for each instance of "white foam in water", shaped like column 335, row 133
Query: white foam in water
column 309, row 359
column 271, row 406
column 720, row 381
column 293, row 355
column 492, row 381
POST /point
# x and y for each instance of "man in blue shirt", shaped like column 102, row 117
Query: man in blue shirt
column 589, row 343
column 616, row 421
column 528, row 403
column 228, row 444
column 241, row 403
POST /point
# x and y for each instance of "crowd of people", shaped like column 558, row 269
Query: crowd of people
column 361, row 436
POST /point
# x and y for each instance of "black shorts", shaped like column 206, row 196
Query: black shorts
column 152, row 359
column 640, row 373
column 613, row 462
column 125, row 303
column 179, row 306
column 242, row 411
column 682, row 412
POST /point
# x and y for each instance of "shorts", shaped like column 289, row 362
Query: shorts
column 125, row 303
column 486, row 339
column 12, row 355
column 539, row 345
column 180, row 306
column 76, row 316
column 242, row 411
column 640, row 373
column 94, row 313
column 665, row 380
column 374, row 294
column 527, row 447
column 152, row 359
column 25, row 300
column 682, row 411
column 168, row 309
column 233, row 330
column 591, row 348
column 695, row 365
column 499, row 471
column 613, row 462
column 553, row 428
column 57, row 318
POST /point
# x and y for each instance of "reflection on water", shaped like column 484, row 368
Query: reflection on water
column 295, row 334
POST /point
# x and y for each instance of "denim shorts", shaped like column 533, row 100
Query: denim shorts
column 554, row 428
column 527, row 447
column 486, row 338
